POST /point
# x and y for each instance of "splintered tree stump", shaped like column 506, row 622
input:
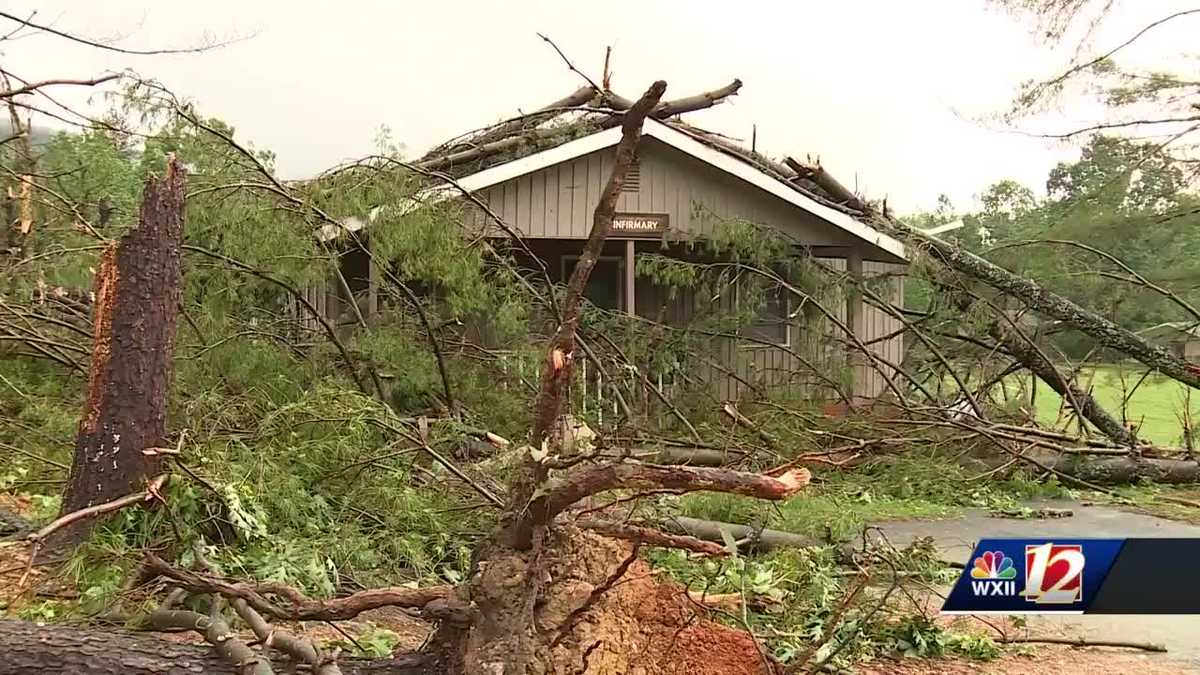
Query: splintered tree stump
column 138, row 292
column 638, row 624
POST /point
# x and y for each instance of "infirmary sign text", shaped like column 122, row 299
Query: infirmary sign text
column 634, row 224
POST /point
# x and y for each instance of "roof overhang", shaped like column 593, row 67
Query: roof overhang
column 665, row 134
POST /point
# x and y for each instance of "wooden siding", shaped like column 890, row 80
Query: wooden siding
column 783, row 370
column 557, row 202
column 737, row 369
column 876, row 324
column 746, row 368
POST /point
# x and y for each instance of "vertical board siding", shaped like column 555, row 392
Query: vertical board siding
column 877, row 323
column 558, row 201
column 537, row 201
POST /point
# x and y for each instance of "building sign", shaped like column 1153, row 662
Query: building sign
column 639, row 224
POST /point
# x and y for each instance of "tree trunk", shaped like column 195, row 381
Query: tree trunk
column 598, row 610
column 28, row 648
column 559, row 362
column 762, row 540
column 1105, row 470
column 137, row 301
column 1023, row 349
column 1050, row 304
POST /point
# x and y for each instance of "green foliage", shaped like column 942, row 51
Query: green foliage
column 800, row 598
column 921, row 636
column 375, row 642
column 1123, row 198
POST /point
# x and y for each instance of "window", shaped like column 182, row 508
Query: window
column 772, row 322
column 606, row 284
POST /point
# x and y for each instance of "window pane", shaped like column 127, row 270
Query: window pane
column 771, row 324
column 604, row 285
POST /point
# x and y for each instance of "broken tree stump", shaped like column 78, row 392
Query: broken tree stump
column 138, row 292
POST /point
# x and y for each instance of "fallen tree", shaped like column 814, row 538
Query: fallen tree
column 528, row 570
column 1107, row 470
column 56, row 648
column 552, row 589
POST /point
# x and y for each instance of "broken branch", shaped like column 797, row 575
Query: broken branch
column 583, row 483
column 302, row 608
column 651, row 536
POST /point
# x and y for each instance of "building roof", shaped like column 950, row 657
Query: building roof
column 546, row 141
column 1178, row 329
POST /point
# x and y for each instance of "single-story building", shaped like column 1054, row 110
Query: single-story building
column 685, row 182
column 1181, row 338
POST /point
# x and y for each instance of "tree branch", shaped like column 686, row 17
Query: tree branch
column 302, row 608
column 651, row 536
column 579, row 484
column 558, row 366
column 48, row 83
column 100, row 45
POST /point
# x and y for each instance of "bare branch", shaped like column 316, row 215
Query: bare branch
column 570, row 65
column 50, row 83
column 1065, row 75
column 579, row 484
column 151, row 492
column 111, row 48
column 218, row 634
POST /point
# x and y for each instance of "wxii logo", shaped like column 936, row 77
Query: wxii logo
column 1053, row 574
column 993, row 574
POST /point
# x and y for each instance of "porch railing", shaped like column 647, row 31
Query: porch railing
column 596, row 392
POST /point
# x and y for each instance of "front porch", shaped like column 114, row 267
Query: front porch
column 787, row 348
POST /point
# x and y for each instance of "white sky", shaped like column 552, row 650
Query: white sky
column 882, row 91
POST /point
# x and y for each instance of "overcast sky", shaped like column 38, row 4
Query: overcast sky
column 884, row 92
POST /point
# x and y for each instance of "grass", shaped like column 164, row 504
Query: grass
column 917, row 485
column 1157, row 404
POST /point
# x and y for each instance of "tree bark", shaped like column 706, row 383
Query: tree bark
column 579, row 97
column 764, row 539
column 138, row 293
column 679, row 106
column 824, row 180
column 28, row 648
column 560, row 493
column 1105, row 470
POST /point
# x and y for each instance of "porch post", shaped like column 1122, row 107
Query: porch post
column 629, row 276
column 854, row 303
column 372, row 282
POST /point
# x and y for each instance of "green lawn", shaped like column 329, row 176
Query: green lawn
column 1157, row 404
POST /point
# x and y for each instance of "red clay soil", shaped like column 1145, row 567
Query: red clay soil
column 644, row 625
column 678, row 639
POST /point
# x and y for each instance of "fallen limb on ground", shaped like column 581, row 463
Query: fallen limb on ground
column 302, row 608
column 28, row 648
column 1108, row 470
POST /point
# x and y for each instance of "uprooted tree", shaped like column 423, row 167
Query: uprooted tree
column 557, row 582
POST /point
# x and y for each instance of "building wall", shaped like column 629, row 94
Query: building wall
column 552, row 209
column 1191, row 350
column 557, row 202
column 790, row 370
